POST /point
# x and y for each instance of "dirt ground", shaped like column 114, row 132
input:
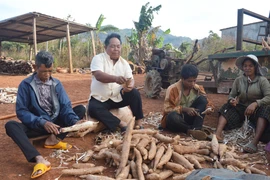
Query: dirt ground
column 13, row 163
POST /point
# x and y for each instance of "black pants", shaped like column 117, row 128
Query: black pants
column 20, row 134
column 101, row 110
column 182, row 122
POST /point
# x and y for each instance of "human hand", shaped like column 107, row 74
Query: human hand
column 208, row 111
column 234, row 101
column 191, row 111
column 128, row 86
column 251, row 108
column 120, row 80
column 52, row 128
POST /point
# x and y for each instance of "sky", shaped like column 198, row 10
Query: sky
column 189, row 18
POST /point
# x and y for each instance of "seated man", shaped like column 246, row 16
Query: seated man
column 113, row 86
column 184, row 103
column 43, row 107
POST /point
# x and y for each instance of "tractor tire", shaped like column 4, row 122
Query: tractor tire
column 152, row 84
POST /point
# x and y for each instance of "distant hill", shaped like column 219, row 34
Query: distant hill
column 175, row 40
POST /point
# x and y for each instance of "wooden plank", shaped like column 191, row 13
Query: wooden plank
column 39, row 138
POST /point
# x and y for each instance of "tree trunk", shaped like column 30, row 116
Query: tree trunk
column 140, row 57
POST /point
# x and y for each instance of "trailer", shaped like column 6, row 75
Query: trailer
column 223, row 70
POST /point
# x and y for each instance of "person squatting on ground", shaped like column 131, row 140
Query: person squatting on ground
column 184, row 103
column 110, row 71
column 43, row 107
column 249, row 98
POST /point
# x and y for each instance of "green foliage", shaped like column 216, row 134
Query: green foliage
column 144, row 24
column 146, row 17
column 170, row 47
column 125, row 51
column 104, row 29
column 155, row 41
column 185, row 47
column 211, row 45
column 14, row 50
column 107, row 28
column 133, row 38
column 100, row 21
column 14, row 46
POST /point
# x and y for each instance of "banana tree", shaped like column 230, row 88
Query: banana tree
column 154, row 40
column 133, row 43
column 102, row 29
column 142, row 27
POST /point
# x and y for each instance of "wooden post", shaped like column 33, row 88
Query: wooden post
column 93, row 43
column 47, row 45
column 35, row 35
column 0, row 48
column 60, row 47
column 88, row 54
column 30, row 52
column 69, row 50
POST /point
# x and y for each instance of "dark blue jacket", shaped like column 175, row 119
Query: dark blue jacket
column 30, row 112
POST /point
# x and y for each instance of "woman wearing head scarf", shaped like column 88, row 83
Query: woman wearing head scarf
column 249, row 98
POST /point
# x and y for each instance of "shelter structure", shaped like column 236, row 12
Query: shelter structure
column 34, row 28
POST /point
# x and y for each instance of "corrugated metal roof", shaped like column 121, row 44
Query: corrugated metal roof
column 20, row 28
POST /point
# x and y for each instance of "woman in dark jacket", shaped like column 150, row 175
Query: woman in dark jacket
column 248, row 99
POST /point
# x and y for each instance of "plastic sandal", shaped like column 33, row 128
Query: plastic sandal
column 39, row 167
column 250, row 148
column 59, row 145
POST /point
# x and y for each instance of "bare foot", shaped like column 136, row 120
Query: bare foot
column 40, row 159
column 122, row 124
column 219, row 137
column 138, row 124
column 51, row 140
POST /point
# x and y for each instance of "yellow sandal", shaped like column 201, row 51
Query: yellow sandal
column 59, row 145
column 39, row 167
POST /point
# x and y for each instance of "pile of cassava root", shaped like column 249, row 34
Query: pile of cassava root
column 148, row 154
column 8, row 95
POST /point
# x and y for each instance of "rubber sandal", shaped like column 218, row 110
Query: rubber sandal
column 59, row 145
column 207, row 131
column 250, row 148
column 39, row 167
column 197, row 134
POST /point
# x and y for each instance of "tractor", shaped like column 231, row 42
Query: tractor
column 163, row 70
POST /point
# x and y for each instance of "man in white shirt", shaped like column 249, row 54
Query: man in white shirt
column 110, row 71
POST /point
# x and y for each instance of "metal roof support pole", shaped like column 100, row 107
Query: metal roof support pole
column 35, row 35
column 93, row 43
column 69, row 50
column 239, row 36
